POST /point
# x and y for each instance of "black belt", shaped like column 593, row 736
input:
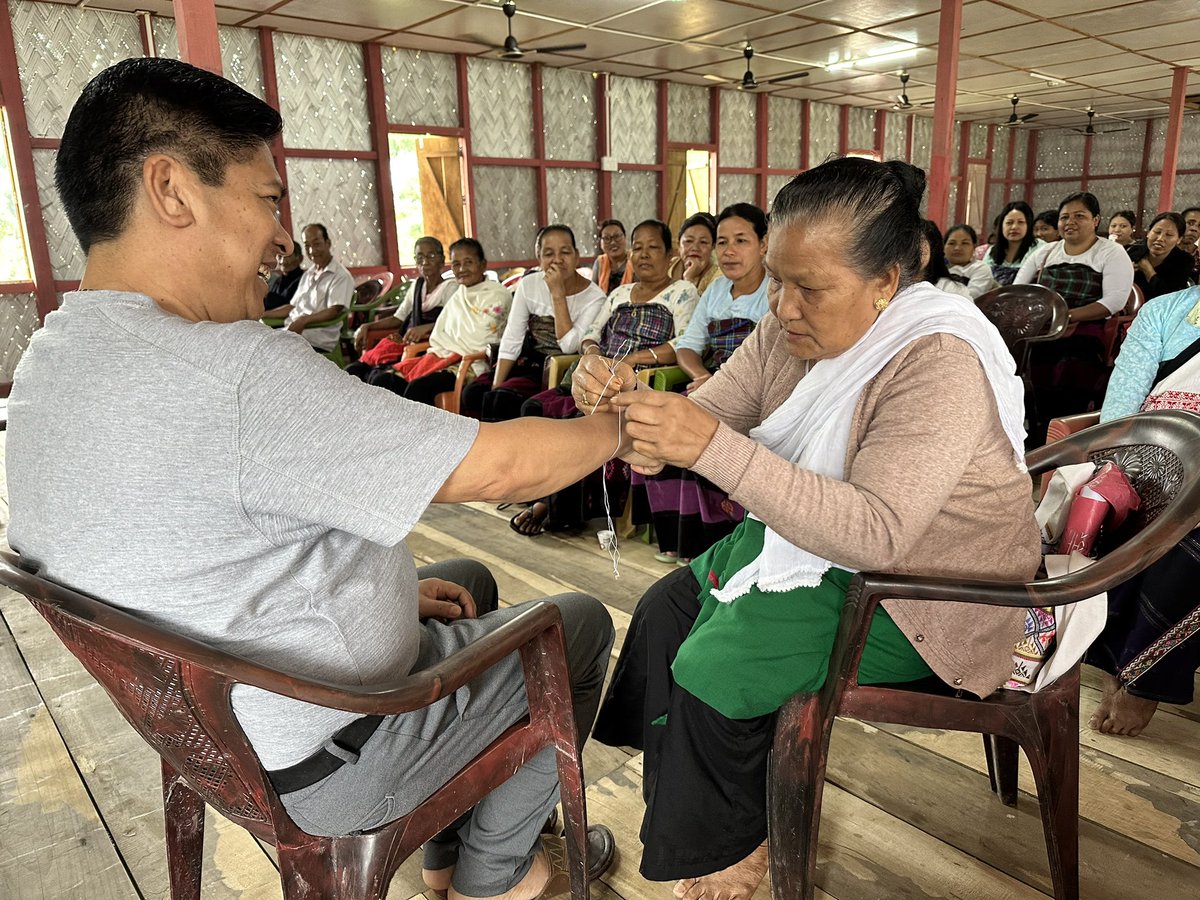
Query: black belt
column 323, row 763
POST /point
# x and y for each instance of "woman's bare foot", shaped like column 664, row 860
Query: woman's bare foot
column 1128, row 715
column 528, row 888
column 1111, row 687
column 738, row 882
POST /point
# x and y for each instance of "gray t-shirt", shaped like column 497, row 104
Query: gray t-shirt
column 232, row 485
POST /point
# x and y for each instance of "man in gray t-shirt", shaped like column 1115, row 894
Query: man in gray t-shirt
column 225, row 481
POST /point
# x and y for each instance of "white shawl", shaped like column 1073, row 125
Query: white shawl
column 812, row 427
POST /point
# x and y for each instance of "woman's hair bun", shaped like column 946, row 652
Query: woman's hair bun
column 910, row 177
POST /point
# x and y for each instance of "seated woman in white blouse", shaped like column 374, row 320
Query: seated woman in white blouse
column 1094, row 277
column 552, row 310
column 960, row 244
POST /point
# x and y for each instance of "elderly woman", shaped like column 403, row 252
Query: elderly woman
column 611, row 267
column 1094, row 277
column 960, row 244
column 552, row 310
column 1158, row 368
column 472, row 319
column 1014, row 242
column 1122, row 226
column 696, row 263
column 414, row 318
column 1159, row 265
column 825, row 426
column 637, row 325
column 690, row 513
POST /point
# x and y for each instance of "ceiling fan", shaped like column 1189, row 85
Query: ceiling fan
column 1092, row 129
column 748, row 82
column 1014, row 120
column 902, row 101
column 512, row 50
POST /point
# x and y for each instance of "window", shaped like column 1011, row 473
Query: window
column 14, row 246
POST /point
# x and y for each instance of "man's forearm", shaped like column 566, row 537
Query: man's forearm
column 531, row 457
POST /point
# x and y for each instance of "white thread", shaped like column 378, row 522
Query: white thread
column 608, row 537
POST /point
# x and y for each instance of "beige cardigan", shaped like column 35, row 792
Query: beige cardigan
column 931, row 488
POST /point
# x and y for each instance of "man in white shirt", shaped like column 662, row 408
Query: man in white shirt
column 326, row 288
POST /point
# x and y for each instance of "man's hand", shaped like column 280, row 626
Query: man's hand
column 443, row 600
column 665, row 426
column 641, row 464
column 298, row 324
column 360, row 337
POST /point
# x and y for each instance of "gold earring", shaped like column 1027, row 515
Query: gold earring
column 881, row 304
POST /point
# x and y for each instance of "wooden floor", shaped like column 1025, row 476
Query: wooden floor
column 907, row 811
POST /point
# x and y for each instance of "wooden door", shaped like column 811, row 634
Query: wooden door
column 443, row 200
column 677, row 175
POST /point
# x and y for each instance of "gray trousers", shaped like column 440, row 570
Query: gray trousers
column 413, row 754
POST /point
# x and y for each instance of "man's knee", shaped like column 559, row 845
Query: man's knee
column 588, row 632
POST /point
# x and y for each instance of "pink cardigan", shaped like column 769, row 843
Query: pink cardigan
column 931, row 488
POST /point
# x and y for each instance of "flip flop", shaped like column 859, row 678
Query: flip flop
column 525, row 527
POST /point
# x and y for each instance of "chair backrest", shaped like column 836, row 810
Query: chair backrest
column 1136, row 301
column 368, row 290
column 163, row 687
column 1160, row 455
column 1024, row 311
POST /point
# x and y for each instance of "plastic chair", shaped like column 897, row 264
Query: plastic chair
column 555, row 368
column 450, row 400
column 663, row 378
column 175, row 692
column 1024, row 314
column 1117, row 326
column 1160, row 452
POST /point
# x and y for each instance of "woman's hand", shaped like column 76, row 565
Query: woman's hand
column 666, row 427
column 417, row 334
column 443, row 600
column 692, row 385
column 360, row 337
column 556, row 279
column 595, row 382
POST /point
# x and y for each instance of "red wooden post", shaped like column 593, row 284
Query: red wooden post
column 377, row 110
column 539, row 146
column 266, row 47
column 1166, row 196
column 1145, row 169
column 964, row 150
column 464, row 121
column 804, row 119
column 196, row 21
column 663, row 187
column 22, row 147
column 761, row 124
column 943, row 110
column 604, row 184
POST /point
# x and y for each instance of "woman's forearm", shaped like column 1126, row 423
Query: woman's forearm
column 691, row 363
column 1093, row 312
column 503, row 368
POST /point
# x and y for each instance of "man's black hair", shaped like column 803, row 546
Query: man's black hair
column 140, row 107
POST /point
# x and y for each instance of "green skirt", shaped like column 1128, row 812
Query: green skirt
column 746, row 658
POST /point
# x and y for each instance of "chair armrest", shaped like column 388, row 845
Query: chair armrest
column 556, row 366
column 410, row 692
column 663, row 378
column 1068, row 425
column 411, row 350
column 273, row 322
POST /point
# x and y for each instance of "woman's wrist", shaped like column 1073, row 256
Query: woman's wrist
column 654, row 353
column 590, row 350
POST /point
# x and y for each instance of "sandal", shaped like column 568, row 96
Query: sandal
column 666, row 556
column 527, row 523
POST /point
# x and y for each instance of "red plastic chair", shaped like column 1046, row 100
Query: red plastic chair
column 175, row 692
column 1160, row 452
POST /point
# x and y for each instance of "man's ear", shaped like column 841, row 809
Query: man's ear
column 169, row 190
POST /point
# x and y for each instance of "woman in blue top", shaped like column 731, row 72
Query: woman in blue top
column 689, row 513
column 1158, row 368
